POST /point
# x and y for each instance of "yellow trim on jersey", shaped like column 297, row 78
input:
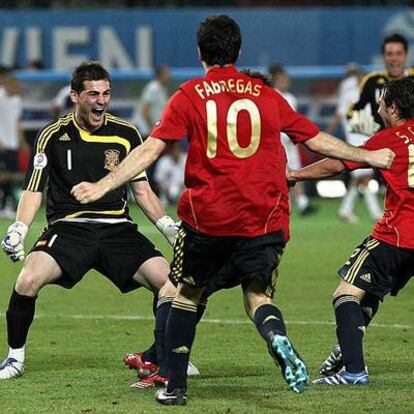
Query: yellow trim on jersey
column 105, row 212
column 120, row 121
column 102, row 139
column 42, row 142
column 370, row 75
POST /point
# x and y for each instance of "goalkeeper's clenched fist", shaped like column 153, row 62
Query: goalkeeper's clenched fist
column 363, row 123
column 13, row 242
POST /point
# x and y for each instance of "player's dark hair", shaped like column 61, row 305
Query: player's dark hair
column 395, row 38
column 258, row 75
column 88, row 71
column 219, row 40
column 401, row 93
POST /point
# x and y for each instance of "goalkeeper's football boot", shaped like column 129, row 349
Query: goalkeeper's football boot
column 151, row 381
column 293, row 369
column 344, row 378
column 145, row 368
column 177, row 396
column 136, row 361
column 333, row 363
column 11, row 368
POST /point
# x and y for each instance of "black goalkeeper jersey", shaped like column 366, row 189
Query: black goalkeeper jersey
column 65, row 155
column 370, row 90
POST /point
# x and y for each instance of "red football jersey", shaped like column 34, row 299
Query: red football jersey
column 235, row 171
column 396, row 226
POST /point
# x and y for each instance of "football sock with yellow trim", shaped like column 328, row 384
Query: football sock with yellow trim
column 180, row 332
column 268, row 319
column 350, row 328
column 369, row 306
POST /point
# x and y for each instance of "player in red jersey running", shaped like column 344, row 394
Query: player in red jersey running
column 383, row 263
column 235, row 210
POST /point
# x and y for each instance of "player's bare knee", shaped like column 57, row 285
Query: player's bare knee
column 167, row 290
column 345, row 288
column 189, row 294
column 29, row 283
column 153, row 273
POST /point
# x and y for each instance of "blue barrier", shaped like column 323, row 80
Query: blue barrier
column 182, row 74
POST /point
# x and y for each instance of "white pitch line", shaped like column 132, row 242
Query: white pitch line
column 212, row 321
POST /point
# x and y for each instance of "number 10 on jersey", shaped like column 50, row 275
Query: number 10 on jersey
column 231, row 129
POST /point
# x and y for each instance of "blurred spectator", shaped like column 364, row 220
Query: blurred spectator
column 61, row 104
column 281, row 82
column 169, row 174
column 347, row 95
column 11, row 141
column 35, row 65
column 154, row 98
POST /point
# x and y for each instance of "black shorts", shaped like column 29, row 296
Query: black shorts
column 224, row 262
column 9, row 161
column 378, row 268
column 115, row 250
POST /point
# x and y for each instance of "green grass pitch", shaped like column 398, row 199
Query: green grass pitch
column 76, row 344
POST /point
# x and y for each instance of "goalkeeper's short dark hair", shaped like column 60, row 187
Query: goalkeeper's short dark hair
column 395, row 38
column 88, row 71
column 400, row 92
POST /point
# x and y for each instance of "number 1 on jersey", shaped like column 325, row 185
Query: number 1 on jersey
column 231, row 121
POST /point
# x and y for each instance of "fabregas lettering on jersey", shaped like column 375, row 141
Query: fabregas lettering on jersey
column 208, row 88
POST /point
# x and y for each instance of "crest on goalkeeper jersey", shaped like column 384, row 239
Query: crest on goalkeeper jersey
column 111, row 159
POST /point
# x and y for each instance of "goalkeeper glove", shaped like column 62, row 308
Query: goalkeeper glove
column 13, row 242
column 169, row 228
column 363, row 123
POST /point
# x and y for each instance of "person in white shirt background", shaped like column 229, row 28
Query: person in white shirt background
column 169, row 174
column 152, row 102
column 281, row 82
column 11, row 141
column 61, row 104
column 348, row 94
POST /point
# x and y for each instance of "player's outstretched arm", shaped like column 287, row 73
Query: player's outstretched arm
column 332, row 147
column 317, row 171
column 13, row 242
column 151, row 205
column 136, row 162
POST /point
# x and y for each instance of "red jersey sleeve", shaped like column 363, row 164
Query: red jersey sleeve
column 295, row 125
column 373, row 143
column 174, row 122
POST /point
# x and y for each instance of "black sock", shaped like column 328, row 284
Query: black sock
column 350, row 327
column 269, row 320
column 369, row 306
column 180, row 332
column 150, row 355
column 19, row 316
column 163, row 312
column 201, row 308
column 162, row 316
